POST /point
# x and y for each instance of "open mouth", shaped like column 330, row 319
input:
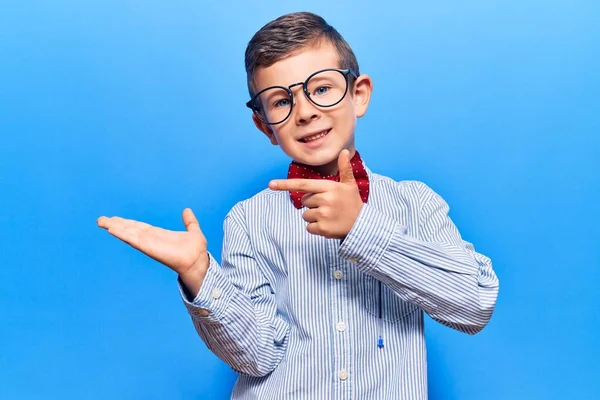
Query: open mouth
column 316, row 136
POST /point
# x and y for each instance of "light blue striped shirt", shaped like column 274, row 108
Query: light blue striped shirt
column 298, row 316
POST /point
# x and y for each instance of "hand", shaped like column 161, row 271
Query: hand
column 332, row 206
column 184, row 252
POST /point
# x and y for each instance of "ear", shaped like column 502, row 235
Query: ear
column 266, row 129
column 363, row 86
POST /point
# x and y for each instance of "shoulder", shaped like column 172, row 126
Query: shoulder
column 412, row 201
column 412, row 190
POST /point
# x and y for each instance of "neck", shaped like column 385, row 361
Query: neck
column 327, row 169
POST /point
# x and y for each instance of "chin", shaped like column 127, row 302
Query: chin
column 321, row 159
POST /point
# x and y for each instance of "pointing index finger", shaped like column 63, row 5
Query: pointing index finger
column 301, row 185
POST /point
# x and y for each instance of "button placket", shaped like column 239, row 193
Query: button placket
column 339, row 297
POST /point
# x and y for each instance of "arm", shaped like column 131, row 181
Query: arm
column 235, row 311
column 438, row 271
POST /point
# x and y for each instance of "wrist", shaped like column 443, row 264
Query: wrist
column 193, row 277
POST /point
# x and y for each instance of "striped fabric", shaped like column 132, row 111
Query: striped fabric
column 299, row 316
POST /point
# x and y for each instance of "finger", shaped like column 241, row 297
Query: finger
column 315, row 200
column 126, row 234
column 313, row 228
column 345, row 168
column 190, row 221
column 118, row 222
column 107, row 222
column 146, row 238
column 127, row 230
column 311, row 200
column 311, row 215
column 302, row 185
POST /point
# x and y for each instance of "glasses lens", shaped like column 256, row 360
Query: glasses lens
column 275, row 105
column 327, row 88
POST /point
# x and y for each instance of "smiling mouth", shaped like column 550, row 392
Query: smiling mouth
column 316, row 136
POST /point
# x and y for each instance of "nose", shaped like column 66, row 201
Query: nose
column 305, row 110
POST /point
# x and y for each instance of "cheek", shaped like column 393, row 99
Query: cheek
column 344, row 117
column 284, row 133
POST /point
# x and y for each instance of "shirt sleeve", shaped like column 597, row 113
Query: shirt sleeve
column 235, row 311
column 436, row 270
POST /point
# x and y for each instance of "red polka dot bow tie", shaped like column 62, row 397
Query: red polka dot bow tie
column 300, row 171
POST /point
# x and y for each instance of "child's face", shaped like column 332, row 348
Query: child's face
column 338, row 122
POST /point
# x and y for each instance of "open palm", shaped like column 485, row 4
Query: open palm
column 180, row 251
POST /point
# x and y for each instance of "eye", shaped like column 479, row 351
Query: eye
column 281, row 103
column 322, row 90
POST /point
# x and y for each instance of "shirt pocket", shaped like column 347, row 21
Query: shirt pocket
column 393, row 309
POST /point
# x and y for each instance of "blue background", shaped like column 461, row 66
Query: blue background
column 136, row 108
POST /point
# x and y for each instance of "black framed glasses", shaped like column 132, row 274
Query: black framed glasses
column 324, row 88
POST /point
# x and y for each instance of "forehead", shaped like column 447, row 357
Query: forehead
column 298, row 66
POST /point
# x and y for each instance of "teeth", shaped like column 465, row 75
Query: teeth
column 315, row 137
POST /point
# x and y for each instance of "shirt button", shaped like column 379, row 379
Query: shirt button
column 343, row 374
column 353, row 260
column 341, row 326
column 203, row 312
column 216, row 293
column 338, row 274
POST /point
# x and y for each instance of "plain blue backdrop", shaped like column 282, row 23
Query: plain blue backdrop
column 136, row 108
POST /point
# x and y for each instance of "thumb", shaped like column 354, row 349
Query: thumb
column 345, row 168
column 190, row 221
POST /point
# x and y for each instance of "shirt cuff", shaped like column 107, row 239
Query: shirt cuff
column 211, row 302
column 368, row 239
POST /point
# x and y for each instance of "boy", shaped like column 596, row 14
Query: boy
column 325, row 276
